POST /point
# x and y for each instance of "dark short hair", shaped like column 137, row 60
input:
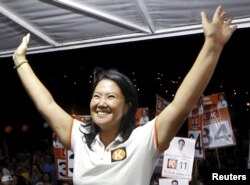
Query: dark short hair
column 221, row 94
column 130, row 94
column 181, row 140
column 174, row 181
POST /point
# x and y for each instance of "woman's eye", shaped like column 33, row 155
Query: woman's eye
column 96, row 96
column 111, row 96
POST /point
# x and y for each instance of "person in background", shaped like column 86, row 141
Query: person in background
column 181, row 144
column 21, row 180
column 221, row 101
column 177, row 149
column 47, row 178
column 144, row 118
column 111, row 147
column 174, row 182
column 36, row 174
column 7, row 180
column 15, row 179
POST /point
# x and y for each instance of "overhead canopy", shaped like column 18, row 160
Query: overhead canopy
column 68, row 24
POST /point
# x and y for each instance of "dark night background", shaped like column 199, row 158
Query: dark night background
column 155, row 66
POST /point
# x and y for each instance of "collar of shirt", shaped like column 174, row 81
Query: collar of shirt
column 97, row 143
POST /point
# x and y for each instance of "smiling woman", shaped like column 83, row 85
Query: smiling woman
column 111, row 145
column 68, row 75
column 113, row 106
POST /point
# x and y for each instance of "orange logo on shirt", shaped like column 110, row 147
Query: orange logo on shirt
column 118, row 154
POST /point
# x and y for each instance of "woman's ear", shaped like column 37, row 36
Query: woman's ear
column 127, row 107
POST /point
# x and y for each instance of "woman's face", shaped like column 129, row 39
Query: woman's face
column 107, row 105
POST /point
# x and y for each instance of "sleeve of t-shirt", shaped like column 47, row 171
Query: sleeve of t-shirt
column 77, row 133
column 146, row 135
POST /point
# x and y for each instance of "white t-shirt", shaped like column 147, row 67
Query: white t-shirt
column 128, row 163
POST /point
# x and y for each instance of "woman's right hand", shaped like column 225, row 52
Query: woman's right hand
column 20, row 53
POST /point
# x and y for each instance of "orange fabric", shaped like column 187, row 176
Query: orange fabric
column 70, row 134
column 160, row 148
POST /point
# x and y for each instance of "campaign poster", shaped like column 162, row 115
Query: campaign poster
column 161, row 103
column 179, row 158
column 195, row 128
column 142, row 116
column 170, row 181
column 217, row 130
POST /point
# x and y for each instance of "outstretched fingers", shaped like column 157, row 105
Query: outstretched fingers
column 24, row 44
column 228, row 22
column 218, row 13
column 224, row 18
column 218, row 16
column 22, row 48
column 220, row 28
column 26, row 38
column 204, row 19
